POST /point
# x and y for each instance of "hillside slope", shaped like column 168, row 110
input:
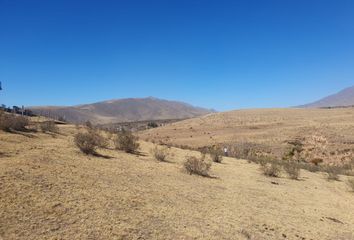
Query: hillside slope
column 49, row 190
column 341, row 99
column 124, row 110
column 329, row 132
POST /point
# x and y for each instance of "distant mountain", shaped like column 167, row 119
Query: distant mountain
column 343, row 98
column 123, row 110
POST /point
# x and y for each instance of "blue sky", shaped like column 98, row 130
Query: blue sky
column 216, row 54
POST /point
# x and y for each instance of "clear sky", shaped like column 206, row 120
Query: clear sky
column 216, row 54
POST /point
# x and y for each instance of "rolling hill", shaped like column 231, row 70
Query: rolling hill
column 343, row 98
column 123, row 110
column 50, row 190
column 324, row 133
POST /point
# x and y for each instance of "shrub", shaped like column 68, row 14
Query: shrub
column 292, row 169
column 216, row 156
column 332, row 172
column 160, row 154
column 88, row 124
column 5, row 122
column 62, row 119
column 310, row 167
column 152, row 125
column 316, row 161
column 19, row 123
column 101, row 141
column 271, row 169
column 350, row 183
column 127, row 142
column 262, row 161
column 197, row 166
column 86, row 142
column 10, row 122
column 49, row 126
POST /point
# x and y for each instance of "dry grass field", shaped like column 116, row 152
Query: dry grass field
column 327, row 134
column 50, row 190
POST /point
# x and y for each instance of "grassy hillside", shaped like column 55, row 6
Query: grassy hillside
column 50, row 190
column 323, row 133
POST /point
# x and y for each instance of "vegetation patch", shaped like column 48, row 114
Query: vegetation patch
column 88, row 142
column 333, row 172
column 9, row 122
column 350, row 183
column 127, row 142
column 49, row 126
column 216, row 155
column 272, row 169
column 197, row 166
column 292, row 169
column 160, row 153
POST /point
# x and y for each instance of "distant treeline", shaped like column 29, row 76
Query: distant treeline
column 350, row 106
column 17, row 110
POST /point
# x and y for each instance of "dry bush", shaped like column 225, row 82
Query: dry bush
column 271, row 169
column 245, row 150
column 127, row 142
column 292, row 168
column 49, row 126
column 6, row 122
column 310, row 167
column 10, row 122
column 333, row 172
column 216, row 155
column 348, row 168
column 160, row 153
column 316, row 161
column 263, row 161
column 87, row 142
column 350, row 183
column 88, row 124
column 197, row 166
column 101, row 141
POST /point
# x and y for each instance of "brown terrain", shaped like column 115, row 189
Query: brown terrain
column 122, row 110
column 341, row 99
column 50, row 190
column 327, row 134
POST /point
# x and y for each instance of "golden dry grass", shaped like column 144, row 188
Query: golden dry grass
column 50, row 190
column 327, row 134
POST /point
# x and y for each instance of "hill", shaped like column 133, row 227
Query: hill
column 327, row 134
column 343, row 98
column 123, row 110
column 50, row 190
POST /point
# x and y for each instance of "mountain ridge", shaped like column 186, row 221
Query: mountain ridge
column 123, row 110
column 343, row 98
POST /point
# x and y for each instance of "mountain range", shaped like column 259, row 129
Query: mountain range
column 123, row 110
column 343, row 98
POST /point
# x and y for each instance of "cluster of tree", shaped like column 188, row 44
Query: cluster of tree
column 17, row 110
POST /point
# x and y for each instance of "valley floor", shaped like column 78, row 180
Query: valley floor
column 50, row 190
